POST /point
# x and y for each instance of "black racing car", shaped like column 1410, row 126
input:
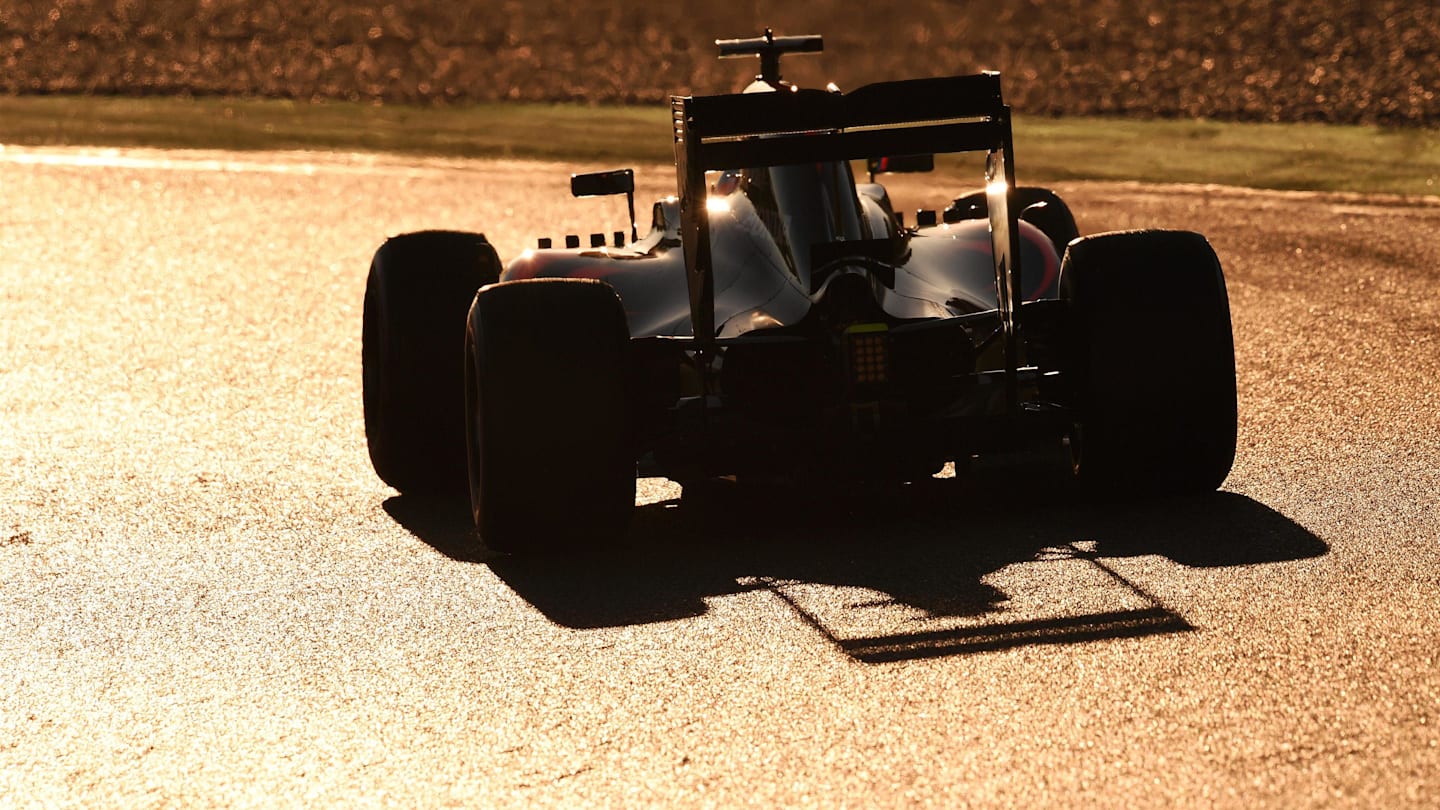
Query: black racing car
column 780, row 317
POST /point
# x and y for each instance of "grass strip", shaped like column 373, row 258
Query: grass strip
column 1278, row 156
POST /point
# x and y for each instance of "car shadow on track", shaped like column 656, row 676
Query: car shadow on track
column 942, row 568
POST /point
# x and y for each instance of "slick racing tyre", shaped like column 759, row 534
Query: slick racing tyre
column 550, row 458
column 419, row 289
column 1150, row 363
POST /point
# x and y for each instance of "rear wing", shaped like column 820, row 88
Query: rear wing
column 955, row 114
column 952, row 114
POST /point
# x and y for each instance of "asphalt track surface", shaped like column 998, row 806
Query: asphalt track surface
column 208, row 599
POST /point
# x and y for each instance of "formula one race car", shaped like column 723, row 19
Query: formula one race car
column 781, row 318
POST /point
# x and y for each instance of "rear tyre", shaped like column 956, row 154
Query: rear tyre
column 419, row 289
column 1150, row 362
column 550, row 459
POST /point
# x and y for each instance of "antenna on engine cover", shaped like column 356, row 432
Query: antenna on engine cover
column 769, row 48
